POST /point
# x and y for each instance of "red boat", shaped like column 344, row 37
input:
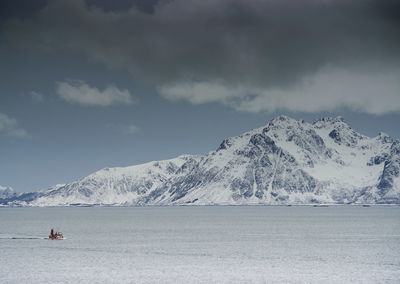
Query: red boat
column 55, row 235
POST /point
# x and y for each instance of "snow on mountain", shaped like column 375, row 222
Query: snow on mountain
column 116, row 186
column 6, row 191
column 285, row 162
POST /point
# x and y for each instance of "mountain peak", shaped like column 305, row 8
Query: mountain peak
column 281, row 122
column 328, row 121
column 385, row 138
column 283, row 119
column 2, row 188
column 6, row 191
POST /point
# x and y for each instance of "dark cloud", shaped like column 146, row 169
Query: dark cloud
column 19, row 8
column 265, row 49
column 146, row 6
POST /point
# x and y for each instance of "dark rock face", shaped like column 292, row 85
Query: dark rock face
column 377, row 160
column 225, row 144
column 335, row 135
column 391, row 169
column 347, row 136
column 273, row 168
column 241, row 188
column 385, row 138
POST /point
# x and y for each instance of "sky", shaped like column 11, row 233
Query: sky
column 91, row 84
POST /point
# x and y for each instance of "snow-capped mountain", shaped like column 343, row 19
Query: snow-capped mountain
column 284, row 162
column 6, row 191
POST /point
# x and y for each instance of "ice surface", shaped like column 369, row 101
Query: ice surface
column 210, row 244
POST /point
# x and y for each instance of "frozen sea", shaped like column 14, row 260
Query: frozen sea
column 211, row 244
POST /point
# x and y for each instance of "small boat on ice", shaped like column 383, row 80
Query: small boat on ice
column 55, row 235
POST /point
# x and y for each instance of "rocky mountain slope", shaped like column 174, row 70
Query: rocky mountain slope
column 284, row 162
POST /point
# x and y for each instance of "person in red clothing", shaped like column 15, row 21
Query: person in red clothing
column 51, row 233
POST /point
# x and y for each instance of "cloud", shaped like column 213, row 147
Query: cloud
column 129, row 129
column 9, row 127
column 124, row 129
column 258, row 51
column 38, row 97
column 79, row 92
column 328, row 90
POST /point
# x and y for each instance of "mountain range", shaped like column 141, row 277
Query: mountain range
column 284, row 162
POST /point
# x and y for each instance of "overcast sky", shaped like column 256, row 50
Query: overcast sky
column 92, row 84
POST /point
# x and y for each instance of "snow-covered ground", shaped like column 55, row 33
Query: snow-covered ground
column 210, row 244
